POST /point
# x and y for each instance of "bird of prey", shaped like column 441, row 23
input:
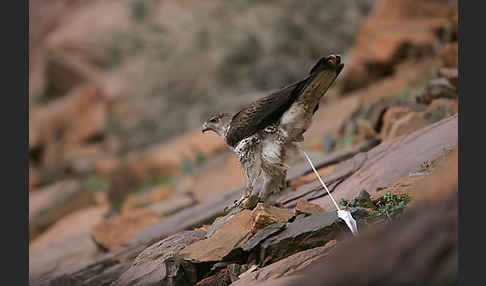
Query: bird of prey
column 265, row 133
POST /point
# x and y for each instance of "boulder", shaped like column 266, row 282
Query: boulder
column 396, row 30
column 304, row 233
column 221, row 278
column 436, row 88
column 50, row 203
column 146, row 197
column 264, row 215
column 390, row 116
column 426, row 235
column 371, row 171
column 449, row 55
column 65, row 243
column 111, row 233
column 231, row 235
column 304, row 207
column 34, row 178
column 286, row 266
column 61, row 256
column 441, row 108
column 73, row 224
column 228, row 234
column 160, row 264
column 406, row 125
column 68, row 129
column 451, row 74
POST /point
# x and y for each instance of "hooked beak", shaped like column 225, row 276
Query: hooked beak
column 205, row 128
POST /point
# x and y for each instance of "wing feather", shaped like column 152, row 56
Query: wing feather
column 268, row 109
column 263, row 112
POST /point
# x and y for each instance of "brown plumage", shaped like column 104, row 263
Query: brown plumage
column 268, row 109
column 265, row 133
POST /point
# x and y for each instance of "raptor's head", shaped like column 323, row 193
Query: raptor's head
column 217, row 123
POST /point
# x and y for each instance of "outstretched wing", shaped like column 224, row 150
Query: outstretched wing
column 267, row 110
column 263, row 112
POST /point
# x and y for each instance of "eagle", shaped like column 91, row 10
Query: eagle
column 265, row 133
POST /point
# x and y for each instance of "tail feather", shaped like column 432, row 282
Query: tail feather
column 323, row 64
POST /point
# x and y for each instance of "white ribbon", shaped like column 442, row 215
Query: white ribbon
column 343, row 214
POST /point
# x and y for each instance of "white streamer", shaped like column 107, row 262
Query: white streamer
column 343, row 214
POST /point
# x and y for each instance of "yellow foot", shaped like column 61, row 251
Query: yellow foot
column 245, row 202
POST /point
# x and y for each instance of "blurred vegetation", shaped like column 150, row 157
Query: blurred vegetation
column 217, row 56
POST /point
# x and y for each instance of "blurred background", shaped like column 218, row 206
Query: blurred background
column 119, row 90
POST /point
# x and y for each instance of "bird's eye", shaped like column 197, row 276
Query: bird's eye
column 214, row 120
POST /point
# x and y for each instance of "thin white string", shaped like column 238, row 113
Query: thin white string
column 319, row 177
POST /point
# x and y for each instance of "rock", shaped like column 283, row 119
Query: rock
column 390, row 117
column 263, row 234
column 304, row 207
column 111, row 233
column 441, row 108
column 84, row 35
column 34, row 178
column 365, row 130
column 73, row 224
column 449, row 55
column 234, row 233
column 264, row 215
column 99, row 270
column 173, row 204
column 235, row 270
column 65, row 243
column 66, row 128
column 144, row 198
column 61, row 255
column 189, row 218
column 371, row 170
column 160, row 263
column 426, row 235
column 104, row 166
column 286, row 266
column 406, row 125
column 436, row 88
column 50, row 203
column 451, row 74
column 438, row 185
column 218, row 222
column 304, row 233
column 311, row 176
column 221, row 278
column 395, row 31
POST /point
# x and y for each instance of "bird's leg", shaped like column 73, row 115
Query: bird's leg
column 273, row 182
column 248, row 199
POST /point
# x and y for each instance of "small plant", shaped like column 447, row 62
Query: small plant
column 138, row 10
column 96, row 184
column 346, row 203
column 391, row 204
column 155, row 180
column 187, row 166
column 426, row 165
column 345, row 142
column 362, row 200
column 200, row 158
